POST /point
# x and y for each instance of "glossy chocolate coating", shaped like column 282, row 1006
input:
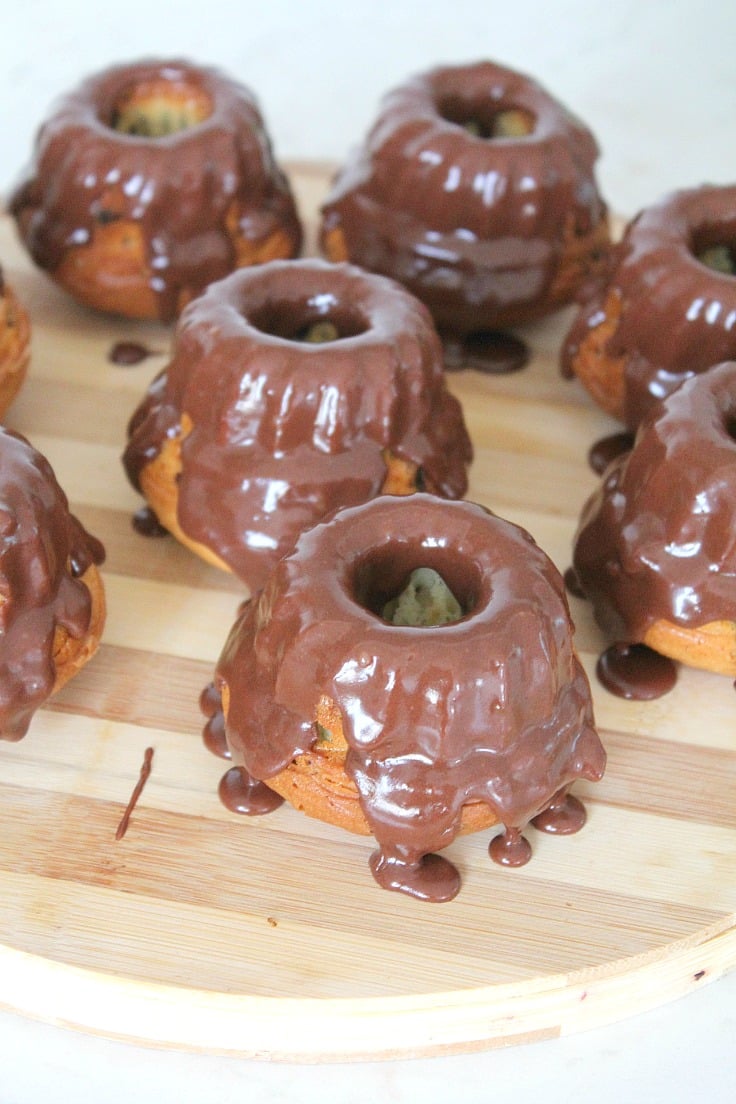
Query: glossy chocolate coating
column 494, row 707
column 656, row 540
column 179, row 188
column 678, row 316
column 473, row 226
column 285, row 431
column 43, row 552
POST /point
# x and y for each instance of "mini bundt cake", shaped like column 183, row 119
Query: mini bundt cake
column 52, row 605
column 408, row 671
column 294, row 388
column 150, row 181
column 655, row 550
column 667, row 308
column 15, row 344
column 476, row 189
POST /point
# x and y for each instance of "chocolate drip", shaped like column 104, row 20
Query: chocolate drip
column 241, row 793
column 655, row 541
column 607, row 449
column 180, row 190
column 492, row 708
column 564, row 816
column 474, row 226
column 510, row 848
column 213, row 733
column 676, row 316
column 635, row 672
column 429, row 878
column 143, row 776
column 44, row 551
column 284, row 431
column 572, row 583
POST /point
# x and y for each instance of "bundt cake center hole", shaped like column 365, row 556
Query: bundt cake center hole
column 317, row 321
column 157, row 108
column 716, row 250
column 418, row 588
column 487, row 121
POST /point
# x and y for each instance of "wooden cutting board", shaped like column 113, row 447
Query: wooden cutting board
column 268, row 937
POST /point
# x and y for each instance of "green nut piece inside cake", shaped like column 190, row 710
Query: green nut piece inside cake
column 425, row 601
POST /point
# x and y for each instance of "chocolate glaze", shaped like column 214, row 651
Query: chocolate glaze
column 635, row 672
column 179, row 188
column 678, row 316
column 656, row 540
column 493, row 708
column 284, row 431
column 43, row 553
column 473, row 226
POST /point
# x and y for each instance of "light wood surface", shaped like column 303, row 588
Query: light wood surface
column 268, row 937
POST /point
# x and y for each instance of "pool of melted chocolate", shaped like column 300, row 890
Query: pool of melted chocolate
column 127, row 354
column 636, row 672
column 491, row 351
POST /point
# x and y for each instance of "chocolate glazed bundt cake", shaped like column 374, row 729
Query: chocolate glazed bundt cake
column 52, row 604
column 294, row 388
column 344, row 690
column 150, row 181
column 476, row 189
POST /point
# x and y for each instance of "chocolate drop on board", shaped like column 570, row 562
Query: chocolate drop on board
column 563, row 817
column 146, row 524
column 430, row 878
column 636, row 672
column 142, row 779
column 240, row 793
column 126, row 354
column 489, row 351
column 607, row 449
column 510, row 848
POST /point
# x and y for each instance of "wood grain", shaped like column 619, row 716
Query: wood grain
column 268, row 938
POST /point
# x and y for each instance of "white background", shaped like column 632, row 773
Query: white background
column 657, row 84
column 655, row 81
